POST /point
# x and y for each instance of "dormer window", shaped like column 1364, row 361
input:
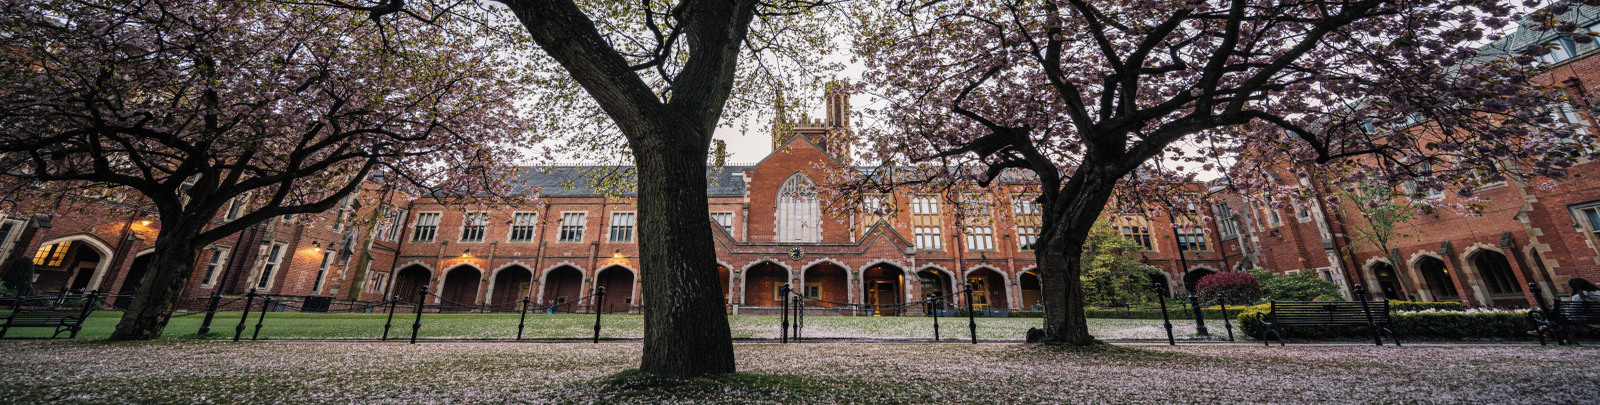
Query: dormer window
column 1561, row 49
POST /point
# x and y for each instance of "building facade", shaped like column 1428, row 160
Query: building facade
column 769, row 222
column 1541, row 232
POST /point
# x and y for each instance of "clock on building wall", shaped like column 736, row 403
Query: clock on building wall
column 796, row 253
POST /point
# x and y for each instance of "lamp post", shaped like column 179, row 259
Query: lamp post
column 599, row 297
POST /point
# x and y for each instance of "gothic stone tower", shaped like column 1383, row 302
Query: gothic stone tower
column 832, row 133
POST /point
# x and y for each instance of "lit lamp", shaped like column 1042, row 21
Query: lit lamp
column 616, row 259
column 144, row 222
column 316, row 246
column 466, row 254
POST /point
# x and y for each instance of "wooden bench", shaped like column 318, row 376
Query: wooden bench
column 1561, row 317
column 1373, row 315
column 62, row 319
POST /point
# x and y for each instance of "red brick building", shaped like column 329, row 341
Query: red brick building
column 1539, row 232
column 769, row 225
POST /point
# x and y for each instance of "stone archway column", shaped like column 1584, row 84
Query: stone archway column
column 1369, row 278
column 536, row 289
column 1514, row 257
column 1013, row 290
column 591, row 281
column 486, row 287
column 1471, row 297
column 914, row 291
column 638, row 292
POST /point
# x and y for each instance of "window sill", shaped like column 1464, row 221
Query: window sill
column 1490, row 186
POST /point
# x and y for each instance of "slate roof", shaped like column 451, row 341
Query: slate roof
column 1526, row 35
column 582, row 181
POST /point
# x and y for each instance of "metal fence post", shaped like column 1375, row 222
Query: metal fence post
column 266, row 301
column 211, row 312
column 422, row 297
column 599, row 296
column 248, row 300
column 1165, row 320
column 936, row 308
column 1372, row 326
column 1226, row 321
column 524, row 320
column 783, row 324
column 972, row 322
column 390, row 322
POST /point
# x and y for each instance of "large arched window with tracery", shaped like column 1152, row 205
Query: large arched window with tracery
column 799, row 214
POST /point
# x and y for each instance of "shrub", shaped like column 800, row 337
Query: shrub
column 1213, row 312
column 18, row 274
column 1236, row 287
column 1395, row 305
column 1431, row 325
column 1328, row 297
column 1302, row 286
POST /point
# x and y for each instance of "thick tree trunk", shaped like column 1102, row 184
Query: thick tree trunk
column 1069, row 217
column 686, row 330
column 171, row 265
column 1062, row 293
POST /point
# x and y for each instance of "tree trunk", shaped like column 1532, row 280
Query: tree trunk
column 686, row 328
column 171, row 265
column 1069, row 216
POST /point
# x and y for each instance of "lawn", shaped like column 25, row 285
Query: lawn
column 295, row 325
column 188, row 371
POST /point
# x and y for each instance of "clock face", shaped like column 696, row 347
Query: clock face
column 796, row 253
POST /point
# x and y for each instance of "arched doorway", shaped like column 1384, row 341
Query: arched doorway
column 1191, row 280
column 134, row 278
column 1388, row 281
column 1438, row 279
column 722, row 275
column 988, row 288
column 1495, row 270
column 1029, row 282
column 408, row 283
column 562, row 287
column 882, row 288
column 935, row 282
column 618, row 282
column 74, row 264
column 460, row 290
column 511, row 284
column 828, row 283
column 82, row 268
column 761, row 284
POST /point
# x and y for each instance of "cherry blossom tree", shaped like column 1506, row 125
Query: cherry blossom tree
column 1083, row 93
column 659, row 77
column 192, row 105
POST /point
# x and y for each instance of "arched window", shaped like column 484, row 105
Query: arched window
column 799, row 214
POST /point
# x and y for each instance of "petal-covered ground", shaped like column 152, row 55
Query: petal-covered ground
column 811, row 373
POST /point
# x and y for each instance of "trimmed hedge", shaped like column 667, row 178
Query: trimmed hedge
column 1437, row 325
column 1395, row 305
column 1210, row 313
